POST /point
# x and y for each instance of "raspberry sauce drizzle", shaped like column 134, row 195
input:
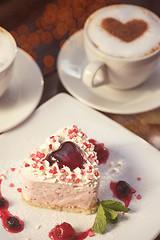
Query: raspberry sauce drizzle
column 126, row 199
column 66, row 232
column 5, row 214
column 102, row 152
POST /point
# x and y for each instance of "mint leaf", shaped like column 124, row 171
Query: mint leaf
column 107, row 213
column 114, row 205
column 100, row 222
column 110, row 214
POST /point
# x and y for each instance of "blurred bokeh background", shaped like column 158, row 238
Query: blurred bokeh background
column 40, row 27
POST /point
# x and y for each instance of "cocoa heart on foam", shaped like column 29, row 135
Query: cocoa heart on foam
column 126, row 32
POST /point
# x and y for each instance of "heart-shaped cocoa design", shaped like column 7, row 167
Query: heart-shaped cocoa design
column 126, row 32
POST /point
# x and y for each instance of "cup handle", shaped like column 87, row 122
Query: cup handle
column 94, row 74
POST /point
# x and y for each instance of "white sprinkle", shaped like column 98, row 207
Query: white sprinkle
column 38, row 226
column 115, row 169
column 2, row 177
column 119, row 163
column 4, row 172
column 111, row 164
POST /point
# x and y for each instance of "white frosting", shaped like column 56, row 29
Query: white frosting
column 7, row 51
column 113, row 46
column 38, row 166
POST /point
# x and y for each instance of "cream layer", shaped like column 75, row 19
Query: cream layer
column 58, row 194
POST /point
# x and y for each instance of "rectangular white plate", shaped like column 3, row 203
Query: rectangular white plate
column 138, row 158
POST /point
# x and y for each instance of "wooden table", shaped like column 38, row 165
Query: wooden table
column 37, row 32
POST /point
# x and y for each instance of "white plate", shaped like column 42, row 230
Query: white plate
column 139, row 159
column 71, row 62
column 23, row 94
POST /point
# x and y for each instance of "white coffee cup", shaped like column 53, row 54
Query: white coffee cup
column 8, row 51
column 119, row 61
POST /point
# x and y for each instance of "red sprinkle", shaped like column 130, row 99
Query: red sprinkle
column 91, row 155
column 34, row 165
column 89, row 170
column 50, row 146
column 96, row 174
column 61, row 178
column 13, row 169
column 53, row 171
column 75, row 130
column 82, row 172
column 71, row 136
column 40, row 155
column 85, row 144
column 27, row 165
column 82, row 134
column 138, row 179
column 73, row 175
column 41, row 168
column 33, row 155
column 139, row 197
column 68, row 180
column 11, row 185
column 19, row 190
column 91, row 233
column 77, row 180
column 62, row 170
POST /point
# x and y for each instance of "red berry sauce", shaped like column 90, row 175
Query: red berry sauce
column 66, row 232
column 125, row 197
column 11, row 223
column 102, row 152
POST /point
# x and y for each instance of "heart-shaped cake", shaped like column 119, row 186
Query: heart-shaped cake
column 126, row 32
column 65, row 166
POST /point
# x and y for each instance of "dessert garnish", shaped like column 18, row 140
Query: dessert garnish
column 11, row 223
column 101, row 150
column 65, row 231
column 123, row 191
column 107, row 213
column 3, row 202
column 68, row 154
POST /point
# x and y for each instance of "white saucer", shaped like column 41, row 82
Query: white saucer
column 23, row 94
column 71, row 62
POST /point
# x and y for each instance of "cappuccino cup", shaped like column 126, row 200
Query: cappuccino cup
column 8, row 51
column 122, row 44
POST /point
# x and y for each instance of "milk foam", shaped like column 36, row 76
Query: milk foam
column 115, row 47
column 7, row 49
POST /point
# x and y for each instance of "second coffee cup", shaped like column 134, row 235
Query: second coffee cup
column 122, row 44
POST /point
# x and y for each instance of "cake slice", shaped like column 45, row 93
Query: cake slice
column 62, row 173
